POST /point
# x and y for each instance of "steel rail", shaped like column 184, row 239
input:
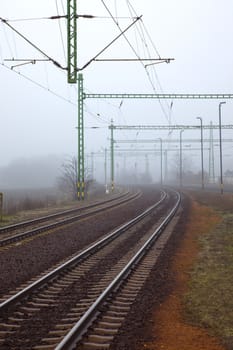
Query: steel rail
column 36, row 231
column 70, row 340
column 79, row 257
column 57, row 215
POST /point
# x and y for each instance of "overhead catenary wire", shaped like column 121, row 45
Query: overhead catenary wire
column 137, row 55
column 40, row 85
column 107, row 9
column 4, row 21
column 7, row 40
column 85, row 16
column 32, row 44
column 61, row 34
column 106, row 47
column 147, row 33
column 142, row 35
column 143, row 29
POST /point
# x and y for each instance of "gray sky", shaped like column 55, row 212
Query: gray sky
column 34, row 122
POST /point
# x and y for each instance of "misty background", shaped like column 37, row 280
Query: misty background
column 38, row 113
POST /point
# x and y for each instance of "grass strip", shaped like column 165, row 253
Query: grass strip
column 209, row 301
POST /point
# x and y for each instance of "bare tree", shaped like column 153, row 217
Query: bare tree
column 67, row 182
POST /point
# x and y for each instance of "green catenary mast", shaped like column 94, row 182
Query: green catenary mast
column 72, row 41
column 72, row 79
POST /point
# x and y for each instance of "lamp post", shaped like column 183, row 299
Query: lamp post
column 161, row 161
column 105, row 170
column 220, row 144
column 181, row 182
column 112, row 156
column 202, row 159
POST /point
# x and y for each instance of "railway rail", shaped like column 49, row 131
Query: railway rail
column 68, row 299
column 60, row 219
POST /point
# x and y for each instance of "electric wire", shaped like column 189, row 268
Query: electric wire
column 109, row 12
column 143, row 39
column 147, row 33
column 141, row 35
column 7, row 41
column 131, row 46
column 63, row 17
column 27, row 19
column 115, row 5
column 107, row 46
column 61, row 34
column 32, row 44
column 96, row 116
column 40, row 85
column 144, row 29
column 1, row 50
column 46, row 74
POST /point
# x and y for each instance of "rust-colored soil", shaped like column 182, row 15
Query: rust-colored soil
column 173, row 333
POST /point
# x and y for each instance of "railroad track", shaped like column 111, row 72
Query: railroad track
column 70, row 298
column 56, row 220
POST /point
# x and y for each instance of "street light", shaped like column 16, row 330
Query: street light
column 202, row 160
column 161, row 161
column 181, row 131
column 220, row 144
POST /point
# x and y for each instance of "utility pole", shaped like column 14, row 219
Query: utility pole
column 220, row 144
column 181, row 167
column 105, row 170
column 165, row 166
column 211, row 156
column 73, row 79
column 112, row 156
column 161, row 161
column 72, row 41
column 202, row 158
column 1, row 205
column 81, row 177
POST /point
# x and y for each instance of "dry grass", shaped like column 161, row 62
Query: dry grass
column 209, row 302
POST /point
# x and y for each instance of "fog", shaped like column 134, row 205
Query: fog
column 35, row 172
column 38, row 111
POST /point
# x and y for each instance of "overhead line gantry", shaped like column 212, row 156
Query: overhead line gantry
column 167, row 127
column 160, row 96
column 73, row 77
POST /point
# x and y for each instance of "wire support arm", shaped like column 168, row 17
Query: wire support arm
column 156, row 60
column 32, row 44
column 24, row 61
column 106, row 47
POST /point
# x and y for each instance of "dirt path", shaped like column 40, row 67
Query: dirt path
column 172, row 333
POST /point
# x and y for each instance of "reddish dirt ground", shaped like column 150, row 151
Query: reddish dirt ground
column 172, row 332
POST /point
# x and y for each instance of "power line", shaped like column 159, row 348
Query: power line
column 106, row 47
column 131, row 46
column 40, row 85
column 143, row 28
column 60, row 29
column 64, row 16
column 147, row 33
column 120, row 29
column 32, row 44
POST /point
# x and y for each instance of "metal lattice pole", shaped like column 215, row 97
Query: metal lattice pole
column 81, row 179
column 72, row 41
column 112, row 156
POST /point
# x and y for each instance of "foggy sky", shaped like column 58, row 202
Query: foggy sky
column 34, row 122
